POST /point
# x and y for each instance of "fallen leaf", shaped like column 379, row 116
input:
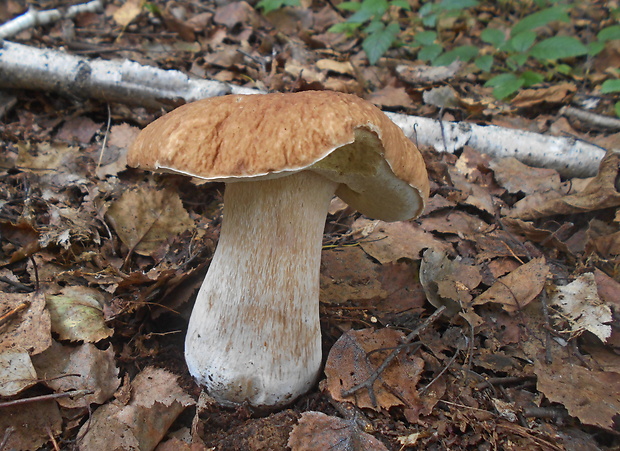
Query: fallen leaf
column 145, row 218
column 77, row 314
column 157, row 400
column 30, row 328
column 318, row 431
column 518, row 288
column 127, row 12
column 357, row 354
column 16, row 372
column 579, row 304
column 29, row 427
column 517, row 177
column 590, row 395
column 85, row 367
column 557, row 93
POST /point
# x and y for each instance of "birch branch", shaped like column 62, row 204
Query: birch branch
column 33, row 18
column 24, row 67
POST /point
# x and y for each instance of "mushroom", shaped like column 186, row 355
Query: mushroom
column 254, row 334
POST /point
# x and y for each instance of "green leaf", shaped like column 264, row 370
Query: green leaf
column 617, row 108
column 452, row 5
column 464, row 53
column 484, row 63
column 493, row 36
column 404, row 4
column 564, row 69
column 516, row 60
column 370, row 9
column 610, row 86
column 425, row 37
column 522, row 41
column 379, row 41
column 539, row 19
column 344, row 27
column 271, row 5
column 350, row 6
column 558, row 47
column 430, row 52
column 609, row 33
column 504, row 85
column 531, row 78
column 594, row 48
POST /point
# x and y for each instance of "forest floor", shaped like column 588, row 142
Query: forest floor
column 526, row 262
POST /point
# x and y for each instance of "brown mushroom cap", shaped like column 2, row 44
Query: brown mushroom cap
column 231, row 138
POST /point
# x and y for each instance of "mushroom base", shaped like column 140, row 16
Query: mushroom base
column 254, row 334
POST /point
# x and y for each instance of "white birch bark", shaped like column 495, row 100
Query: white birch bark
column 24, row 67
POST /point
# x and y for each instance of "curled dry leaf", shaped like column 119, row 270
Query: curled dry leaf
column 157, row 400
column 518, row 288
column 357, row 354
column 30, row 327
column 77, row 314
column 579, row 304
column 317, row 431
column 145, row 218
column 85, row 367
column 510, row 173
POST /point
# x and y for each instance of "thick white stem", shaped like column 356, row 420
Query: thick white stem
column 254, row 334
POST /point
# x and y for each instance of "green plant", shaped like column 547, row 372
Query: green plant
column 368, row 17
column 271, row 5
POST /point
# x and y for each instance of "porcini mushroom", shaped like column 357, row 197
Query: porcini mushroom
column 254, row 333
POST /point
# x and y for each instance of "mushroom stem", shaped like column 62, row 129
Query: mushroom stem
column 254, row 334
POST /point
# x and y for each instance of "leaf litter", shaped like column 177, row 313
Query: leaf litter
column 99, row 265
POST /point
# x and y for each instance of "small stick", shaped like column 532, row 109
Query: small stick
column 12, row 313
column 70, row 394
column 368, row 383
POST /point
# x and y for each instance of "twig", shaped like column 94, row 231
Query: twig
column 33, row 18
column 545, row 309
column 13, row 312
column 443, row 370
column 16, row 284
column 591, row 119
column 69, row 394
column 7, row 434
column 368, row 383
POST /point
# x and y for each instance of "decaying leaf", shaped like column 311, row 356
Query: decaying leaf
column 518, row 288
column 77, row 314
column 28, row 428
column 590, row 395
column 30, row 328
column 389, row 242
column 357, row 354
column 157, row 400
column 16, row 372
column 579, row 304
column 85, row 367
column 145, row 218
column 447, row 282
column 318, row 431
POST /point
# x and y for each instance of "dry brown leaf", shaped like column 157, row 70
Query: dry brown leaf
column 388, row 242
column 30, row 427
column 423, row 75
column 391, row 97
column 455, row 222
column 157, row 400
column 339, row 67
column 77, row 314
column 30, row 328
column 64, row 368
column 517, row 177
column 599, row 193
column 127, row 12
column 527, row 98
column 590, row 395
column 518, row 288
column 145, row 218
column 16, row 372
column 447, row 282
column 317, row 431
column 349, row 363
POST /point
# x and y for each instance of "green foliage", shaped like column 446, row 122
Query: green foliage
column 379, row 34
column 271, row 5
